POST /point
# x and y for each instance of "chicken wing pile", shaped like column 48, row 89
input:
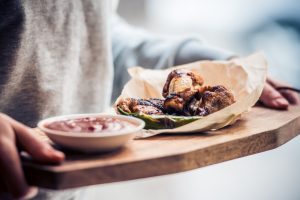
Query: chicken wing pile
column 184, row 94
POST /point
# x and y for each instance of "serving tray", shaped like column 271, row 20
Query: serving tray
column 259, row 130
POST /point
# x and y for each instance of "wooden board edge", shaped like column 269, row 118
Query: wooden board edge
column 180, row 163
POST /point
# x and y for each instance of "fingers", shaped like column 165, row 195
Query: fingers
column 12, row 177
column 12, row 180
column 291, row 96
column 272, row 98
column 38, row 149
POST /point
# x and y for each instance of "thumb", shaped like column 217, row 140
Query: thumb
column 38, row 149
column 270, row 97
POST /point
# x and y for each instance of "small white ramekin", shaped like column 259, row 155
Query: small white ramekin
column 91, row 142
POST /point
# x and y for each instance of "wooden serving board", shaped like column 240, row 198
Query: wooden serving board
column 259, row 130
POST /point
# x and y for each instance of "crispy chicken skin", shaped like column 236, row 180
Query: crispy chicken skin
column 176, row 103
column 146, row 106
column 212, row 99
column 180, row 81
column 181, row 86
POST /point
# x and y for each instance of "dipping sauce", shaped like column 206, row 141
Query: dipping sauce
column 90, row 125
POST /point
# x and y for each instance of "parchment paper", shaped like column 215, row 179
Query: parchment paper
column 244, row 77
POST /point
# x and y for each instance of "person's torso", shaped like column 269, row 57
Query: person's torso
column 57, row 58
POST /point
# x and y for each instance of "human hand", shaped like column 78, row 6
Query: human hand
column 14, row 137
column 273, row 98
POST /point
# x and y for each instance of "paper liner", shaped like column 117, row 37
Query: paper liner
column 244, row 77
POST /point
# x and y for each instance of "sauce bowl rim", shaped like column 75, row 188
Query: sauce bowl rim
column 140, row 124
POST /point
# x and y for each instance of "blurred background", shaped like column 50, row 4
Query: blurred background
column 242, row 26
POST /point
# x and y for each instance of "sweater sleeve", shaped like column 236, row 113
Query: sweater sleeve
column 136, row 47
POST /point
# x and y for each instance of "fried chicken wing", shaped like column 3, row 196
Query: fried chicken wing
column 174, row 104
column 181, row 86
column 146, row 106
column 180, row 81
column 212, row 99
column 184, row 95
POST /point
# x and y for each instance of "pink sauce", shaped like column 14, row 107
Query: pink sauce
column 90, row 125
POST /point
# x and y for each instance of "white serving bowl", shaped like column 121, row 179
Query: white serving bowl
column 91, row 142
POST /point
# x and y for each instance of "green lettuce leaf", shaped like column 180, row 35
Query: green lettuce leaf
column 161, row 121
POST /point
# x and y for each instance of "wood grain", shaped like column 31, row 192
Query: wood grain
column 259, row 130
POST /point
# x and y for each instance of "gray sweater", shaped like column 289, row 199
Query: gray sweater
column 56, row 56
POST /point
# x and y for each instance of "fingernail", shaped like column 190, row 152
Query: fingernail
column 59, row 155
column 281, row 103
